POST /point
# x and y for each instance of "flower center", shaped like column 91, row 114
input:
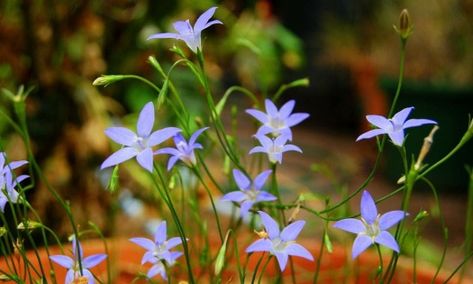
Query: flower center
column 372, row 230
column 141, row 143
column 276, row 122
column 279, row 245
column 159, row 251
column 252, row 193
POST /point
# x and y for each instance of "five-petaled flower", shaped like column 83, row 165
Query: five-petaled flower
column 190, row 35
column 277, row 122
column 184, row 151
column 138, row 144
column 72, row 264
column 393, row 127
column 159, row 251
column 250, row 191
column 8, row 182
column 274, row 148
column 372, row 228
column 281, row 244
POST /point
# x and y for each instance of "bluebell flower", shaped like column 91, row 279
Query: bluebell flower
column 372, row 228
column 138, row 144
column 393, row 127
column 281, row 244
column 190, row 35
column 72, row 264
column 159, row 251
column 184, row 150
column 250, row 191
column 277, row 122
column 8, row 182
column 274, row 148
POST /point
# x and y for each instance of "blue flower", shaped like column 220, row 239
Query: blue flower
column 190, row 35
column 159, row 251
column 372, row 228
column 277, row 122
column 139, row 144
column 184, row 151
column 393, row 127
column 274, row 148
column 250, row 191
column 72, row 264
column 7, row 182
column 281, row 244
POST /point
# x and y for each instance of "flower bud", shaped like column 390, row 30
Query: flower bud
column 405, row 25
column 106, row 80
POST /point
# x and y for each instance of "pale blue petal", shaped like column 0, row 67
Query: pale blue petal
column 265, row 196
column 263, row 130
column 149, row 257
column 211, row 23
column 183, row 27
column 62, row 260
column 400, row 117
column 271, row 109
column 156, row 269
column 241, row 179
column 390, row 219
column 196, row 134
column 245, row 208
column 260, row 245
column 203, row 19
column 379, row 121
column 265, row 141
column 261, row 179
column 145, row 120
column 286, row 109
column 172, row 242
column 145, row 159
column 282, row 258
column 161, row 233
column 275, row 157
column 397, row 137
column 361, row 243
column 371, row 134
column 164, row 35
column 417, row 122
column 144, row 243
column 368, row 209
column 168, row 151
column 69, row 277
column 89, row 276
column 290, row 147
column 236, row 196
column 257, row 149
column 16, row 164
column 93, row 260
column 259, row 115
column 281, row 140
column 292, row 230
column 172, row 161
column 119, row 157
column 121, row 135
column 272, row 228
column 162, row 135
column 296, row 118
column 350, row 225
column 298, row 250
column 386, row 239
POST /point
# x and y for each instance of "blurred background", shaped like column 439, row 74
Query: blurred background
column 348, row 50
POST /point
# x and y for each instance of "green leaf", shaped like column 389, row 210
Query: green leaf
column 220, row 260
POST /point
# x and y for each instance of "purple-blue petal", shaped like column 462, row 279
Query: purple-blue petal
column 400, row 117
column 259, row 115
column 119, row 157
column 291, row 231
column 371, row 134
column 417, row 122
column 145, row 159
column 386, row 239
column 397, row 137
column 16, row 164
column 391, row 218
column 145, row 120
column 271, row 109
column 62, row 260
column 172, row 242
column 361, row 243
column 241, row 179
column 286, row 109
column 157, row 268
column 93, row 260
column 291, row 147
column 257, row 149
column 368, row 209
column 298, row 250
column 236, row 196
column 121, row 135
column 203, row 19
column 168, row 151
column 296, row 118
column 272, row 228
column 260, row 245
column 161, row 233
column 379, row 121
column 282, row 258
column 245, row 207
column 172, row 161
column 162, row 135
column 183, row 27
column 265, row 196
column 350, row 225
column 144, row 243
column 261, row 179
column 164, row 35
column 69, row 277
column 196, row 134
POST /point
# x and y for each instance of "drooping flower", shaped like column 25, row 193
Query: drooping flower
column 72, row 264
column 184, row 151
column 138, row 144
column 8, row 182
column 281, row 244
column 190, row 35
column 372, row 228
column 250, row 191
column 393, row 127
column 274, row 148
column 159, row 251
column 277, row 122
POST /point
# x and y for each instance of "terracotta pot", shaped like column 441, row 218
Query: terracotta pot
column 336, row 267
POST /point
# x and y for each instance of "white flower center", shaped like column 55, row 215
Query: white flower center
column 251, row 194
column 141, row 143
column 372, row 230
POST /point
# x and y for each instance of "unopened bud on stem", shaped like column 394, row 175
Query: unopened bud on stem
column 405, row 25
column 425, row 147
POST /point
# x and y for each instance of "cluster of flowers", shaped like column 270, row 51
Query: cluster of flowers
column 8, row 180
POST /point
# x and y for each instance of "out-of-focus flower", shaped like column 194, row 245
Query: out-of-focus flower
column 250, row 191
column 190, row 35
column 277, row 122
column 393, row 127
column 281, row 244
column 159, row 251
column 72, row 264
column 138, row 144
column 184, row 150
column 274, row 148
column 372, row 228
column 7, row 182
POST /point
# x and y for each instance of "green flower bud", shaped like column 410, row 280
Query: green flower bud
column 405, row 26
column 106, row 80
